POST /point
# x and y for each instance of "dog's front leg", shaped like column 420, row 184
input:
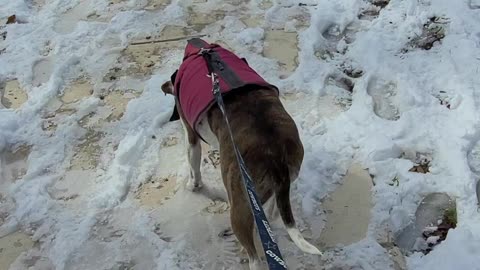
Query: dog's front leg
column 194, row 158
column 194, row 153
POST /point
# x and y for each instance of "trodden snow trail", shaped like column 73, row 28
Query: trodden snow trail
column 92, row 173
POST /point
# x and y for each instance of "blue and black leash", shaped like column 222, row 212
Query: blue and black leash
column 272, row 252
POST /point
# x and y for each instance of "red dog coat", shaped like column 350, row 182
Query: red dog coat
column 193, row 86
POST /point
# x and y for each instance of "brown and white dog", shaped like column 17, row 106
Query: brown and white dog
column 269, row 142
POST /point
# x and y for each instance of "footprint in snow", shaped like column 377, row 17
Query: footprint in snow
column 13, row 164
column 340, row 81
column 383, row 94
column 474, row 163
column 474, row 158
column 42, row 70
column 345, row 79
column 435, row 216
column 336, row 40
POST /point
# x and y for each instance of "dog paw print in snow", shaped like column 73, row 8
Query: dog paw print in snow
column 217, row 207
column 169, row 141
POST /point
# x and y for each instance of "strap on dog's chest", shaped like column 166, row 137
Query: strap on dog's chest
column 269, row 244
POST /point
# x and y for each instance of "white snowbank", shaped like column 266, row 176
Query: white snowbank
column 107, row 229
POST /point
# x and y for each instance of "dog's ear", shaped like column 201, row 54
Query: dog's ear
column 167, row 88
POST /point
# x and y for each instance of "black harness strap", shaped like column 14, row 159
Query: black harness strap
column 227, row 74
column 270, row 247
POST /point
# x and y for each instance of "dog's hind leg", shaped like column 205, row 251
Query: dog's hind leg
column 194, row 152
column 242, row 225
column 271, row 209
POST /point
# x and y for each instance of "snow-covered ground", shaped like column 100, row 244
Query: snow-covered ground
column 92, row 172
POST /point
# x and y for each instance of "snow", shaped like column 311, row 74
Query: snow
column 105, row 227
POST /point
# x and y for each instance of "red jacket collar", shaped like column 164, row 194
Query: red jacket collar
column 194, row 46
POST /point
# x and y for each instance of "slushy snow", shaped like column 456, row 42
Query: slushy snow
column 393, row 115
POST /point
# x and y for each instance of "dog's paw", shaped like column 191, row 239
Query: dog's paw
column 194, row 186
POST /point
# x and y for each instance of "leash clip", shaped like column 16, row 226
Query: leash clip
column 215, row 83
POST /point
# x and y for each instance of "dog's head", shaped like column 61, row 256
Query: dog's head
column 167, row 87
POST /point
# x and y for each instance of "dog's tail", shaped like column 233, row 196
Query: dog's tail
column 282, row 197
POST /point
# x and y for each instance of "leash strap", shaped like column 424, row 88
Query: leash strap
column 272, row 252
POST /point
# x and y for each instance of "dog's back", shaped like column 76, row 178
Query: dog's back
column 269, row 142
column 265, row 134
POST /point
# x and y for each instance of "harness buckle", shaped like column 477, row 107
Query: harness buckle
column 203, row 51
